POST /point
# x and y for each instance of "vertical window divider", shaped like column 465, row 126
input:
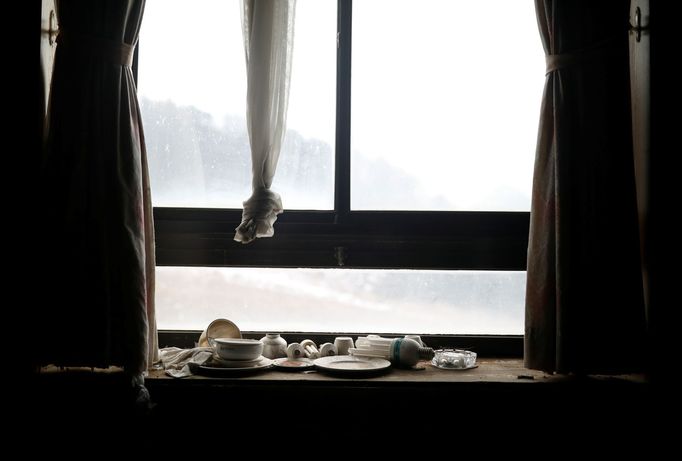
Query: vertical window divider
column 343, row 100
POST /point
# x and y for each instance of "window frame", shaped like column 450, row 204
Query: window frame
column 345, row 238
column 358, row 239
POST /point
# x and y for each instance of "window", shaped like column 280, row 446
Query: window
column 406, row 168
column 444, row 104
column 192, row 88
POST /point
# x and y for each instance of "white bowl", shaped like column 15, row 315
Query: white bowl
column 238, row 348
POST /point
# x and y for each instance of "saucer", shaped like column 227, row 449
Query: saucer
column 287, row 364
column 222, row 363
column 212, row 367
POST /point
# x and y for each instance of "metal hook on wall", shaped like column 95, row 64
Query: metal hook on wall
column 637, row 27
column 52, row 30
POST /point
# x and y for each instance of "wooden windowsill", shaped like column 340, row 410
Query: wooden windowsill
column 489, row 370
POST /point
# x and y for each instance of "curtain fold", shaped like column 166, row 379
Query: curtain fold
column 268, row 28
column 98, row 276
column 584, row 306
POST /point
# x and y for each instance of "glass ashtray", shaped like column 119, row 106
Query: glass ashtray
column 454, row 359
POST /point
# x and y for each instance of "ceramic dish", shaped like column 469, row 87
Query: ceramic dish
column 237, row 348
column 287, row 364
column 219, row 328
column 218, row 362
column 215, row 368
column 352, row 365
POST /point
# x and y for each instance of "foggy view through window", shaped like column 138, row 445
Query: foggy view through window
column 341, row 300
column 445, row 103
column 192, row 91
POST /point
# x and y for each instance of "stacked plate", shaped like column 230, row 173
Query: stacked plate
column 232, row 353
column 238, row 365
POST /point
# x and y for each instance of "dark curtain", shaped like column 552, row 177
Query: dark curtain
column 584, row 307
column 97, row 280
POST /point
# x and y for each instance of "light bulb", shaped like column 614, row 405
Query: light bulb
column 402, row 351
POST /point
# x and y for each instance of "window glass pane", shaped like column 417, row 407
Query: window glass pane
column 380, row 301
column 192, row 88
column 445, row 104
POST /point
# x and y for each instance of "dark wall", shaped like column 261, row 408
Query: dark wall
column 23, row 106
column 87, row 410
column 664, row 230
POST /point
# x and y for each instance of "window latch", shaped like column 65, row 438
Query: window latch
column 340, row 255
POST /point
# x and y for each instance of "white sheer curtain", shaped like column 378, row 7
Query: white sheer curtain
column 268, row 27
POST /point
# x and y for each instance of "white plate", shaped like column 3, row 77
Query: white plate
column 352, row 364
column 214, row 367
column 222, row 363
column 219, row 328
column 293, row 364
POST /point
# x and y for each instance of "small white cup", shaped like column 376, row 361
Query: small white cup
column 343, row 344
column 328, row 349
column 416, row 338
column 295, row 351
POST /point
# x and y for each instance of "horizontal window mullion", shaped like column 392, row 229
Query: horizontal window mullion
column 344, row 251
column 409, row 240
column 406, row 222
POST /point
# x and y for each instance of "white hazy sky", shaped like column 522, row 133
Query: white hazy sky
column 193, row 53
column 446, row 90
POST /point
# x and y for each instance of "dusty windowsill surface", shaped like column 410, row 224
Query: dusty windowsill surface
column 489, row 370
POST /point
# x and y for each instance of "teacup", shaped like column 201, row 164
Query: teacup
column 343, row 344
